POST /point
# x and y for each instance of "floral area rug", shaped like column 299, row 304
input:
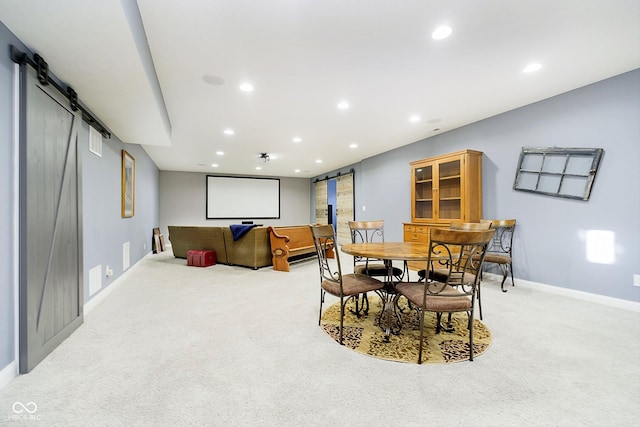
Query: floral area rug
column 364, row 335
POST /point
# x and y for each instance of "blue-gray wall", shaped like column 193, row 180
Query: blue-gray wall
column 550, row 244
column 104, row 231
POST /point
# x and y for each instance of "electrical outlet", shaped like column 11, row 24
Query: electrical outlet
column 144, row 247
column 364, row 208
column 636, row 280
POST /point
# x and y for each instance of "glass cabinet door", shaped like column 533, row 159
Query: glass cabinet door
column 423, row 187
column 448, row 192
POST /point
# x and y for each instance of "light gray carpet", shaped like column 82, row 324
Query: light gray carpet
column 228, row 346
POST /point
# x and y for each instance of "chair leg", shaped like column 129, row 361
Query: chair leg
column 479, row 300
column 504, row 276
column 438, row 322
column 421, row 337
column 321, row 301
column 342, row 303
column 405, row 271
column 401, row 309
column 471, row 336
column 441, row 327
column 513, row 283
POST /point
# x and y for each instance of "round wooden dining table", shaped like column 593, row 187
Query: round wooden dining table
column 389, row 252
column 401, row 251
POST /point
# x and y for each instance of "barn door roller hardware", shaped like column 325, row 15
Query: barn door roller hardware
column 42, row 70
column 327, row 177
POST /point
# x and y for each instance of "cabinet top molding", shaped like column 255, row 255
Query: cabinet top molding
column 442, row 156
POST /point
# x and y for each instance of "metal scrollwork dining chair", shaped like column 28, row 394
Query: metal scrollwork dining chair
column 500, row 248
column 454, row 292
column 441, row 270
column 332, row 281
column 370, row 232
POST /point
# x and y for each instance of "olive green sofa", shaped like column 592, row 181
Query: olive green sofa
column 251, row 250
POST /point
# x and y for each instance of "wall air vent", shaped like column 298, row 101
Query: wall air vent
column 95, row 141
column 126, row 260
column 95, row 279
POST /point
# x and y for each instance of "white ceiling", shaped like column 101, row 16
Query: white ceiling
column 144, row 77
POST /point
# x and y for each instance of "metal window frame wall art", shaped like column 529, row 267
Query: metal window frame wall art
column 128, row 184
column 559, row 172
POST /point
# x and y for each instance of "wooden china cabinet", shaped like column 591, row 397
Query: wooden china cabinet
column 443, row 188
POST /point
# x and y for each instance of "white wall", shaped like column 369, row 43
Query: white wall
column 183, row 201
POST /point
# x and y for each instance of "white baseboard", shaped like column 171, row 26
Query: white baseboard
column 104, row 293
column 571, row 293
column 8, row 374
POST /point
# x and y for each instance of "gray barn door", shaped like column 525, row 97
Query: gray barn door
column 50, row 222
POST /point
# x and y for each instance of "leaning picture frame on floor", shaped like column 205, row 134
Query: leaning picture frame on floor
column 128, row 184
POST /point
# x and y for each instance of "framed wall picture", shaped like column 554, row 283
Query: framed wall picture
column 128, row 184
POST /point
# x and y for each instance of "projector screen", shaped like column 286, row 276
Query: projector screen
column 230, row 197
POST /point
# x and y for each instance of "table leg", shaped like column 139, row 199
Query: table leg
column 362, row 305
column 389, row 307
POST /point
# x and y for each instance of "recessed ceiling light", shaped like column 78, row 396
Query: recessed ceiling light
column 229, row 132
column 442, row 32
column 297, row 171
column 533, row 67
column 258, row 168
column 353, row 145
column 220, row 153
column 343, row 105
column 246, row 87
column 318, row 161
column 214, row 165
column 414, row 118
column 297, row 139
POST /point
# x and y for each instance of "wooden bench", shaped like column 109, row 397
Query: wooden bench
column 289, row 242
